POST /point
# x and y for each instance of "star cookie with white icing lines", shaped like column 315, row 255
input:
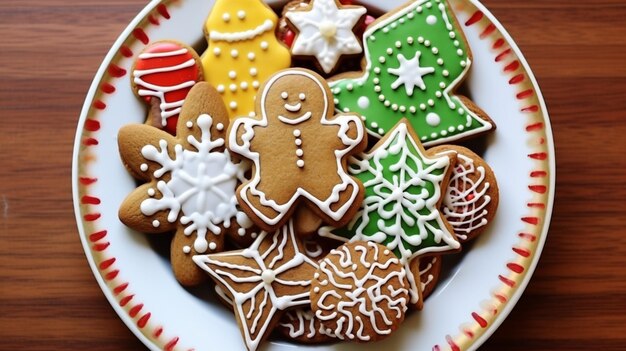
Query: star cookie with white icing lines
column 325, row 31
column 263, row 281
column 404, row 189
column 190, row 181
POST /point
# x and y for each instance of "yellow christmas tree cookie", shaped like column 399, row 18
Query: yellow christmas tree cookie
column 243, row 51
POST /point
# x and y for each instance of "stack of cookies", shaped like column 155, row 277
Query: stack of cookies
column 315, row 201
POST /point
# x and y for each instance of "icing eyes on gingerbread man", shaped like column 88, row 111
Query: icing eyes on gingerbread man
column 299, row 151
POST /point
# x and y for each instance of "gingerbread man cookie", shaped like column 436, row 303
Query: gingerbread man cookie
column 299, row 152
column 189, row 181
column 163, row 75
column 243, row 51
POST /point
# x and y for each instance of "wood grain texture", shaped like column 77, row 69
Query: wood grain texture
column 51, row 50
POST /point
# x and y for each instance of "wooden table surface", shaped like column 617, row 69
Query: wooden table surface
column 51, row 50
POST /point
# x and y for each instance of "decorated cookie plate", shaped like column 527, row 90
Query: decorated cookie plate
column 477, row 289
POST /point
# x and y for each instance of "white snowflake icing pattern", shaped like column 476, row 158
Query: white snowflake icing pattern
column 202, row 185
column 410, row 73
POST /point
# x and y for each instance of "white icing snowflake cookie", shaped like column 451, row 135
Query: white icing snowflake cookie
column 325, row 32
column 190, row 181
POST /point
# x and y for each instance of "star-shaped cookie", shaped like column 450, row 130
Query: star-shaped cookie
column 404, row 189
column 271, row 276
column 325, row 31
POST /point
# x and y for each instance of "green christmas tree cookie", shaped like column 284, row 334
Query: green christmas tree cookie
column 403, row 194
column 415, row 58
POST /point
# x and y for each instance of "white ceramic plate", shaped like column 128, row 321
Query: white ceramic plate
column 475, row 295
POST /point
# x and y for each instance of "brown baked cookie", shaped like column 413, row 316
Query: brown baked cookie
column 301, row 325
column 426, row 270
column 325, row 32
column 471, row 200
column 189, row 181
column 299, row 150
column 360, row 292
column 264, row 281
column 162, row 75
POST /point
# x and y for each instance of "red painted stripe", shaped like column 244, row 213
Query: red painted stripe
column 539, row 156
column 126, row 51
column 526, row 236
column 97, row 236
column 112, row 275
column 135, row 310
column 541, row 141
column 107, row 88
column 158, row 332
column 515, row 268
column 522, row 252
column 120, row 288
column 92, row 125
column 525, row 94
column 153, row 20
column 106, row 264
column 141, row 35
column 90, row 200
column 539, row 174
column 531, row 220
column 531, row 109
column 517, row 79
column 162, row 9
column 468, row 333
column 536, row 205
column 90, row 142
column 477, row 16
column 126, row 300
column 500, row 298
column 539, row 189
column 101, row 247
column 506, row 281
column 141, row 323
column 170, row 345
column 534, row 127
column 436, row 348
column 498, row 44
column 453, row 346
column 503, row 54
column 87, row 181
column 98, row 104
column 490, row 29
column 90, row 217
column 512, row 67
column 480, row 320
column 116, row 71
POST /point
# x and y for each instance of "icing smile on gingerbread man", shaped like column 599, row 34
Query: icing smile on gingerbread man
column 294, row 109
column 299, row 151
